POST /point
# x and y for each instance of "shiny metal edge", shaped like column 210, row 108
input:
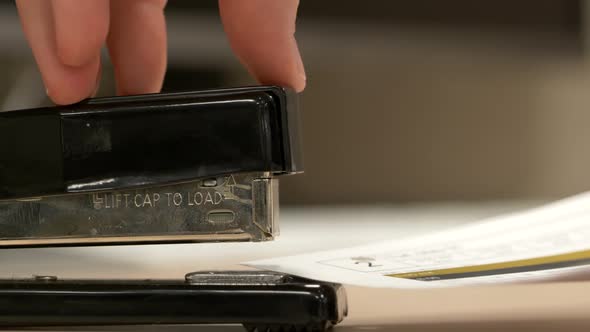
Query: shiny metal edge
column 228, row 278
column 137, row 239
column 262, row 218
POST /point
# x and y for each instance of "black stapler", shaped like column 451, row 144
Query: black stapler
column 198, row 166
column 162, row 168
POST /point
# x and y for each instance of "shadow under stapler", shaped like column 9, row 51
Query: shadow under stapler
column 480, row 326
column 64, row 263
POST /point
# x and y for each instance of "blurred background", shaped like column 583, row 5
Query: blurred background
column 407, row 101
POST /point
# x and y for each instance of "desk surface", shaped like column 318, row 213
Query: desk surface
column 535, row 307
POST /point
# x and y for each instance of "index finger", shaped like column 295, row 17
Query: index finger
column 262, row 34
column 53, row 42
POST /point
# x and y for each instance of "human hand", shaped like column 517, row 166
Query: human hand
column 66, row 37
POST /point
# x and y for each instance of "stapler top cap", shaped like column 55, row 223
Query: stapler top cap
column 126, row 142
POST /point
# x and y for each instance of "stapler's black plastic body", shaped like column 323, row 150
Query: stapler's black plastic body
column 262, row 301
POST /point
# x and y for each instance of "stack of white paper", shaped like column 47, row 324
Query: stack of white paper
column 546, row 242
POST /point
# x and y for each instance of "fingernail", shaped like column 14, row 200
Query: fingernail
column 300, row 69
column 302, row 76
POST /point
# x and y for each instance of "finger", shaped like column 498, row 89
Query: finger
column 261, row 33
column 137, row 45
column 81, row 29
column 64, row 84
